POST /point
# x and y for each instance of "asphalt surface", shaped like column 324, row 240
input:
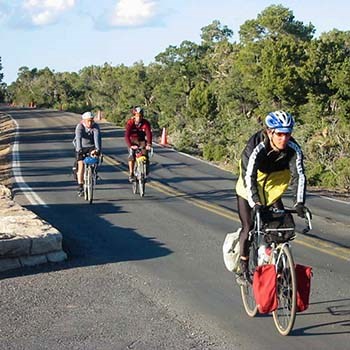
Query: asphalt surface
column 148, row 273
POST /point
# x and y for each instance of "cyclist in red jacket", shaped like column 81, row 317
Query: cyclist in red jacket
column 138, row 133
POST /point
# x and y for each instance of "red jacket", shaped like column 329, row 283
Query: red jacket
column 136, row 133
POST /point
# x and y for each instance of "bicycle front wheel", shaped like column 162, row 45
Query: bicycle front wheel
column 284, row 315
column 90, row 185
column 142, row 187
column 86, row 182
column 247, row 290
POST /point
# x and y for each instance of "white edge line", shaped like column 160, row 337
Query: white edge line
column 190, row 156
column 335, row 200
column 32, row 197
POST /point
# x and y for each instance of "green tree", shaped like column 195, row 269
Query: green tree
column 272, row 57
column 22, row 89
column 215, row 33
column 1, row 74
column 2, row 85
column 180, row 68
column 273, row 22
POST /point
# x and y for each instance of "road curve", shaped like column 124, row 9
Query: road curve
column 169, row 243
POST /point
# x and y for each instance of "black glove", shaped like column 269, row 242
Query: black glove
column 257, row 208
column 300, row 209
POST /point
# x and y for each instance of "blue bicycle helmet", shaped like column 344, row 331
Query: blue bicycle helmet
column 280, row 121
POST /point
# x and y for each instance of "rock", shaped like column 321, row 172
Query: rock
column 5, row 192
column 25, row 239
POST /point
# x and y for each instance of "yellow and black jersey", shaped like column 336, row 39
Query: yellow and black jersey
column 265, row 174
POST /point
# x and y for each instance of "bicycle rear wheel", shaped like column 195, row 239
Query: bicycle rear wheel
column 142, row 169
column 284, row 315
column 247, row 290
column 142, row 187
column 134, row 183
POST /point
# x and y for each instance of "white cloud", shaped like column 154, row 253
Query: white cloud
column 133, row 13
column 43, row 12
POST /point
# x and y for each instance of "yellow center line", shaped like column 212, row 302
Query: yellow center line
column 302, row 239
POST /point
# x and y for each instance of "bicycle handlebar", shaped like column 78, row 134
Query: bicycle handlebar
column 141, row 148
column 308, row 217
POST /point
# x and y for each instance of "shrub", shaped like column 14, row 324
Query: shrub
column 214, row 152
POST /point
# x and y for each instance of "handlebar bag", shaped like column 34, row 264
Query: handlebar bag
column 91, row 160
column 303, row 274
column 264, row 288
column 279, row 228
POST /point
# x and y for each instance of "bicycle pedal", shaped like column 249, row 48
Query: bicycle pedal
column 241, row 281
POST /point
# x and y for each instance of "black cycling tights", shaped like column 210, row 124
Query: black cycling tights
column 245, row 215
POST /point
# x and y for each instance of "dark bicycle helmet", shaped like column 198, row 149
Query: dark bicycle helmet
column 280, row 121
column 137, row 109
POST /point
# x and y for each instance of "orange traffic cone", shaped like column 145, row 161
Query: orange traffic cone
column 164, row 141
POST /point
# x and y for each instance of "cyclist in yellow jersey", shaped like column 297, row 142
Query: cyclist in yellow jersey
column 271, row 160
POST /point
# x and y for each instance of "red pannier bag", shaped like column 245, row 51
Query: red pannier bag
column 264, row 288
column 303, row 274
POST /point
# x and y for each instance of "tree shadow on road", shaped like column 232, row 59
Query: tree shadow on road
column 338, row 309
column 89, row 239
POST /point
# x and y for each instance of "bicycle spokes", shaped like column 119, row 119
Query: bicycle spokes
column 90, row 174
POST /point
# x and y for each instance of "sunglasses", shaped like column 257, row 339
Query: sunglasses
column 281, row 134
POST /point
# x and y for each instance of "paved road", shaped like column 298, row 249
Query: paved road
column 148, row 273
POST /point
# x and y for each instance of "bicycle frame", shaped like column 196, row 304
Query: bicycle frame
column 141, row 158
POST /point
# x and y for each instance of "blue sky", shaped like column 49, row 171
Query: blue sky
column 67, row 35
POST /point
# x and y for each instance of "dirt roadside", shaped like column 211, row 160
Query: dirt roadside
column 7, row 136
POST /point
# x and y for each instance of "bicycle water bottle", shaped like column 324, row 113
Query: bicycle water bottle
column 263, row 255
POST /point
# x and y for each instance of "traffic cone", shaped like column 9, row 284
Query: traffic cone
column 164, row 141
